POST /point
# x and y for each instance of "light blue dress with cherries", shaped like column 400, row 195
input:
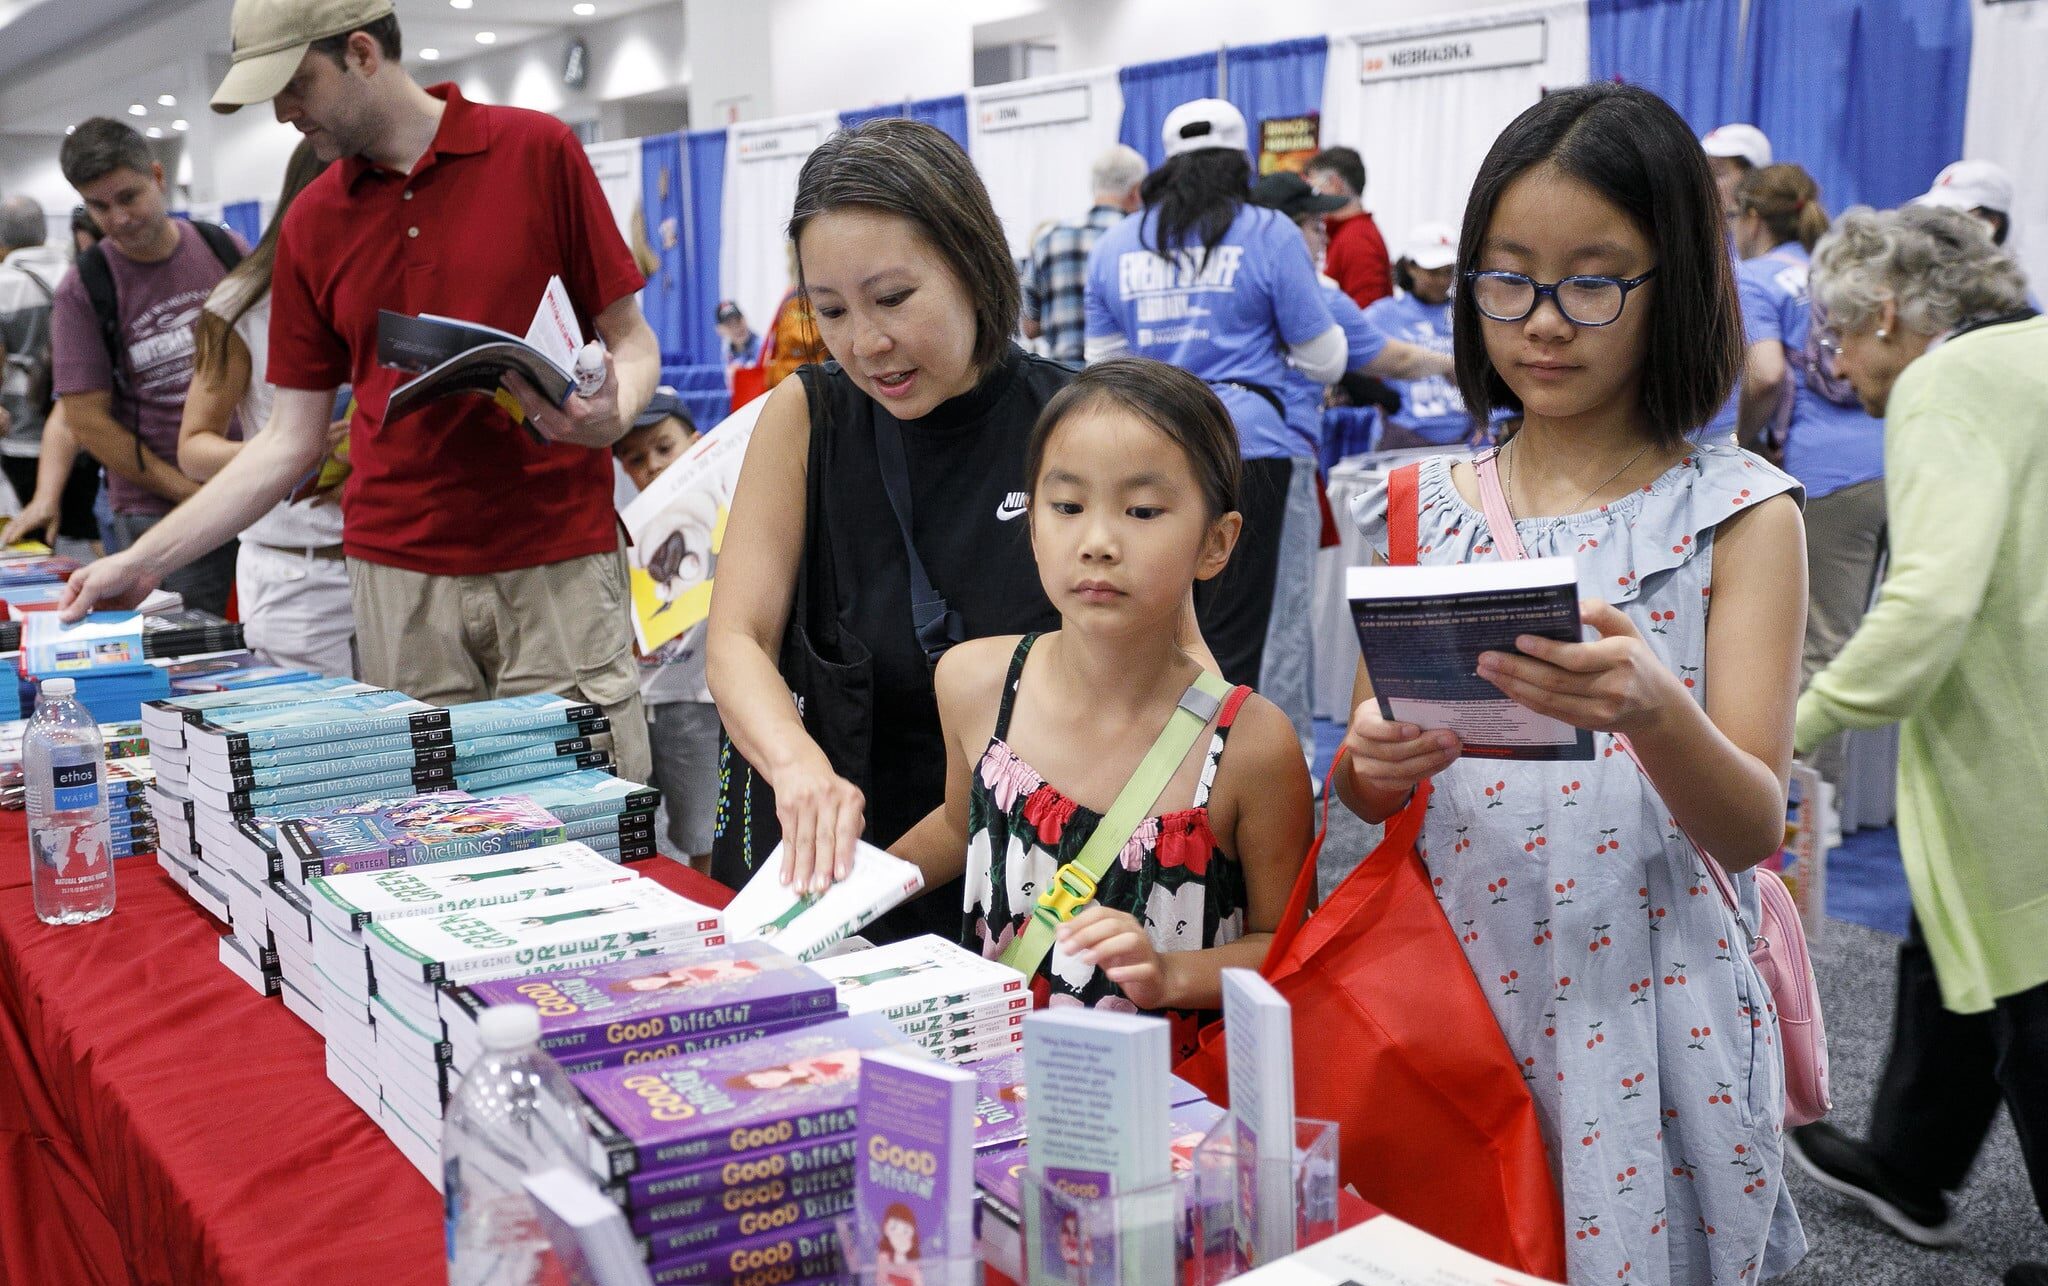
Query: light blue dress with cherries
column 1613, row 966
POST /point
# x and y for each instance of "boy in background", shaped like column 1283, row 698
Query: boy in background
column 682, row 724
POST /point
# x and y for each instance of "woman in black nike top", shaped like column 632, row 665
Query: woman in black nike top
column 909, row 275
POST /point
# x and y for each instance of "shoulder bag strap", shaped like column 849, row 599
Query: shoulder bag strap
column 221, row 242
column 1493, row 501
column 1072, row 887
column 1404, row 515
column 938, row 626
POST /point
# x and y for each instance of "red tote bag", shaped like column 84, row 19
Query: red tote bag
column 1435, row 1125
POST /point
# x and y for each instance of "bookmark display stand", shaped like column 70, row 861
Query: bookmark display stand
column 860, row 1268
column 1231, row 1228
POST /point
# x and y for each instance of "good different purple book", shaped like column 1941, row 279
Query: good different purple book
column 761, row 1194
column 674, row 1241
column 435, row 827
column 796, row 1087
column 597, row 1059
column 743, row 985
column 792, row 1164
column 800, row 1253
column 999, row 1099
column 915, row 1180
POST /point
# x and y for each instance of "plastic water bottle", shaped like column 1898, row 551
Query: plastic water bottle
column 515, row 1114
column 63, row 770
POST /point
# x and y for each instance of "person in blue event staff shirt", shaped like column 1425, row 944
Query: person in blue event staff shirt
column 1793, row 414
column 1368, row 350
column 1734, row 152
column 1225, row 290
column 1432, row 410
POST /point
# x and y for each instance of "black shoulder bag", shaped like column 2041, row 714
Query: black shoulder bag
column 831, row 677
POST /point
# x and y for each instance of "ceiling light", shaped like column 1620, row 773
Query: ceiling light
column 166, row 100
column 181, row 124
column 487, row 37
column 155, row 132
column 70, row 129
column 430, row 55
column 583, row 10
column 137, row 109
column 460, row 4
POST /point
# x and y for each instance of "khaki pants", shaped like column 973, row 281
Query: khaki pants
column 561, row 627
column 1844, row 537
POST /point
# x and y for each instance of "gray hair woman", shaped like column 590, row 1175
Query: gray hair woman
column 1927, row 319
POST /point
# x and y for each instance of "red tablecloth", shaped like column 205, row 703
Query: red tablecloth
column 160, row 1122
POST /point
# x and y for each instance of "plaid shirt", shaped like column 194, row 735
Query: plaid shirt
column 1056, row 281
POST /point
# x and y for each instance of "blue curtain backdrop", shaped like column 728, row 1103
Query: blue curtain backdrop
column 948, row 114
column 1687, row 51
column 1868, row 95
column 663, row 205
column 1151, row 90
column 704, row 152
column 1281, row 79
column 245, row 219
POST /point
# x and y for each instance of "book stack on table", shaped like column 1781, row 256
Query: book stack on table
column 102, row 655
column 952, row 1003
column 612, row 815
column 382, row 1004
column 232, row 764
column 743, row 1154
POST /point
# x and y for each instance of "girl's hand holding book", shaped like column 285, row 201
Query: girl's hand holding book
column 1114, row 942
column 1387, row 761
column 1615, row 684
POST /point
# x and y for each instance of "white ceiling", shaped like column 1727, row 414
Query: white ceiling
column 37, row 33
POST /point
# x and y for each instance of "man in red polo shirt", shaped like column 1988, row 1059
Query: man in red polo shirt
column 1357, row 257
column 482, row 563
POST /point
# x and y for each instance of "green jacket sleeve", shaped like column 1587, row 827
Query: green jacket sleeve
column 1947, row 495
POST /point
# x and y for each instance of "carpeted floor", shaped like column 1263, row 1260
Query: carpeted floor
column 1855, row 962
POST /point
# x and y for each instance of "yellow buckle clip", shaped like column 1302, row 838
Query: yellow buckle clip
column 1070, row 889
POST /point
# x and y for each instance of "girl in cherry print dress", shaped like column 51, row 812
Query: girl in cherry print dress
column 1595, row 298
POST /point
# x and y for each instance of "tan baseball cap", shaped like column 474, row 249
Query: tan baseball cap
column 271, row 38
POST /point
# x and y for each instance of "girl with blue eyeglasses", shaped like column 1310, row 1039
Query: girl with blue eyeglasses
column 1596, row 299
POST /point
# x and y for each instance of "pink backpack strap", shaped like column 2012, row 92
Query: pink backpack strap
column 1494, row 503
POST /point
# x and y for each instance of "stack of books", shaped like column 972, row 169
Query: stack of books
column 381, row 1008
column 227, row 671
column 188, row 631
column 612, row 815
column 132, row 823
column 743, row 1154
column 954, row 1004
column 638, row 1011
column 120, row 741
column 102, row 654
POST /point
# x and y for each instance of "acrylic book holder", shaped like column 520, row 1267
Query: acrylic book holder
column 1197, row 1228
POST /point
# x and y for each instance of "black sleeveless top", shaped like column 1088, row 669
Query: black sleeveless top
column 967, row 484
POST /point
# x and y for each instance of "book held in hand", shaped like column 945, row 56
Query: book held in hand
column 677, row 527
column 451, row 356
column 807, row 924
column 1422, row 629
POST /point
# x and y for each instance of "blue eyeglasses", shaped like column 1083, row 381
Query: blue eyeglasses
column 1584, row 300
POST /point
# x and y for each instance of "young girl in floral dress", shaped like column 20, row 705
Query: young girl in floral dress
column 1595, row 299
column 1133, row 471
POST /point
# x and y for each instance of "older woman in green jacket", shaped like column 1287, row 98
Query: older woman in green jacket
column 1927, row 319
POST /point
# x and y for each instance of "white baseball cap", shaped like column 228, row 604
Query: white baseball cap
column 1205, row 122
column 1971, row 185
column 1738, row 142
column 1431, row 246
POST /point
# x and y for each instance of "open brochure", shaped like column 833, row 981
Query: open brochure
column 1423, row 628
column 452, row 356
column 677, row 527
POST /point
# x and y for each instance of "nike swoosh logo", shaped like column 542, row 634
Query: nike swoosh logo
column 1010, row 509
